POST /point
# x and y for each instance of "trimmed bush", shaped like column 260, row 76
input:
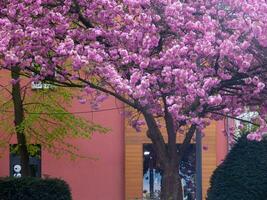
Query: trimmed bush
column 34, row 189
column 243, row 174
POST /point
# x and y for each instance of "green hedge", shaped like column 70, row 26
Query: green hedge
column 34, row 189
column 243, row 174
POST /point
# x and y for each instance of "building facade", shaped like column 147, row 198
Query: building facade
column 118, row 169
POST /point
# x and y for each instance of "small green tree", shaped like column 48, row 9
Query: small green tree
column 41, row 117
column 242, row 175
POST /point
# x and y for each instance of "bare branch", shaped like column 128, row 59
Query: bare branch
column 187, row 140
column 236, row 118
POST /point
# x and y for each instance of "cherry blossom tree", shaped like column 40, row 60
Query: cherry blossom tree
column 179, row 63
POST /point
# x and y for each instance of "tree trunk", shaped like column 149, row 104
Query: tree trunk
column 171, row 186
column 24, row 156
column 19, row 118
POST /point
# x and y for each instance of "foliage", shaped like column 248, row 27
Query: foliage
column 34, row 189
column 195, row 61
column 242, row 175
column 33, row 149
column 48, row 122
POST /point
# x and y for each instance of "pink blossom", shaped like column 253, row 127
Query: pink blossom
column 88, row 90
column 82, row 100
column 254, row 136
column 215, row 100
column 158, row 56
column 14, row 81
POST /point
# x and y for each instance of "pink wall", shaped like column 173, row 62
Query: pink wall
column 101, row 179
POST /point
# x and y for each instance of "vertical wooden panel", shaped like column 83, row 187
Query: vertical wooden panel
column 208, row 156
column 134, row 159
column 134, row 171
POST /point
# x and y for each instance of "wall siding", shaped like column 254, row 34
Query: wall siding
column 134, row 159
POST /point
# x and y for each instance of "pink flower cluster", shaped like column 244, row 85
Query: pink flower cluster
column 205, row 59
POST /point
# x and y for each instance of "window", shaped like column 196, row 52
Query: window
column 248, row 116
column 152, row 174
column 35, row 160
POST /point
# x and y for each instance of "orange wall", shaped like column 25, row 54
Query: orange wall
column 221, row 142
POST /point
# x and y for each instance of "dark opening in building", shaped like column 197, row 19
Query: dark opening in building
column 35, row 160
column 152, row 174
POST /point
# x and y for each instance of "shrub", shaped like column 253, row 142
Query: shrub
column 34, row 189
column 243, row 174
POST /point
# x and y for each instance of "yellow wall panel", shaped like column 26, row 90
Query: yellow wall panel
column 133, row 171
column 134, row 159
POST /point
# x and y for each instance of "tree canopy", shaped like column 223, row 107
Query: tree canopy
column 193, row 60
column 47, row 122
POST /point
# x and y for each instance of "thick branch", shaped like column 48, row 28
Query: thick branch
column 77, row 9
column 171, row 133
column 186, row 142
column 156, row 137
column 88, row 83
column 19, row 118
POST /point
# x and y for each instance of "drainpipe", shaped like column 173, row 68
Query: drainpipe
column 198, row 165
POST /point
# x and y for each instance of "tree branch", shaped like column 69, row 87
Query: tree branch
column 236, row 118
column 156, row 137
column 171, row 133
column 77, row 9
column 88, row 83
column 186, row 142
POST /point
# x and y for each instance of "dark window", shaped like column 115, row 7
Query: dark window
column 152, row 174
column 35, row 161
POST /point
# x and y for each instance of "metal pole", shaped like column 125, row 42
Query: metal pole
column 198, row 165
column 151, row 178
